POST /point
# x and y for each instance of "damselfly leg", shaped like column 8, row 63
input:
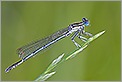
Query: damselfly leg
column 88, row 34
column 73, row 37
column 82, row 38
column 79, row 34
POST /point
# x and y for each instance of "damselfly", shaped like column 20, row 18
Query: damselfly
column 32, row 49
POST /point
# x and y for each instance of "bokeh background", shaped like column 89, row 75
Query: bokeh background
column 24, row 22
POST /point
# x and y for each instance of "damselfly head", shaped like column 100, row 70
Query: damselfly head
column 85, row 21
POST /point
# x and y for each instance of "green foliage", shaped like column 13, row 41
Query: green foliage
column 48, row 72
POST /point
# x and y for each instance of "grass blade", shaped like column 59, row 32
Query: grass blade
column 48, row 72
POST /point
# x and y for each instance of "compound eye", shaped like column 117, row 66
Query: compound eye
column 86, row 22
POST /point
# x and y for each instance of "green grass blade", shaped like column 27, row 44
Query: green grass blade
column 73, row 54
column 48, row 72
column 45, row 76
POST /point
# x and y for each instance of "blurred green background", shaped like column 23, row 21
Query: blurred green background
column 24, row 22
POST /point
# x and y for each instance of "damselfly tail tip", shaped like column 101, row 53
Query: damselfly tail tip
column 13, row 66
column 8, row 69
